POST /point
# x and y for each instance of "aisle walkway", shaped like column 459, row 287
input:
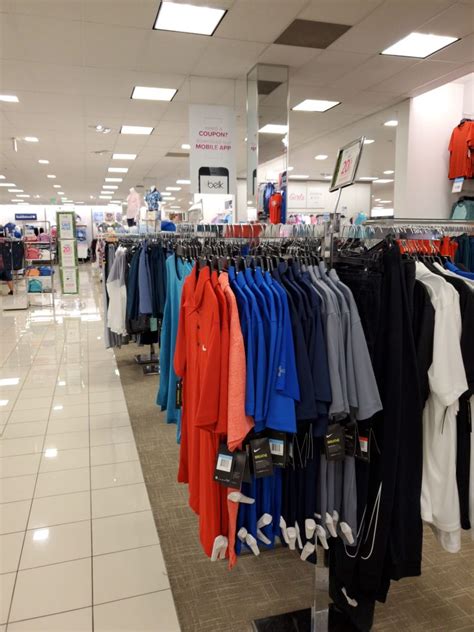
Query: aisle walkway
column 79, row 550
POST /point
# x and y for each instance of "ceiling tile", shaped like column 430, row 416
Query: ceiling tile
column 140, row 14
column 457, row 21
column 311, row 34
column 293, row 56
column 171, row 52
column 329, row 66
column 258, row 20
column 108, row 46
column 228, row 58
column 341, row 11
column 70, row 10
column 373, row 71
column 416, row 77
column 457, row 52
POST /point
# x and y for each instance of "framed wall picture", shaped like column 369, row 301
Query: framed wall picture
column 347, row 163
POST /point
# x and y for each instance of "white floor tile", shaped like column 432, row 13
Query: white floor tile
column 35, row 414
column 24, row 445
column 63, row 482
column 50, row 545
column 61, row 411
column 102, row 455
column 128, row 531
column 53, row 510
column 19, row 465
column 32, row 394
column 148, row 613
column 49, row 589
column 71, row 400
column 106, row 436
column 10, row 550
column 129, row 573
column 68, row 425
column 14, row 516
column 67, row 440
column 28, row 429
column 64, row 459
column 114, row 395
column 115, row 420
column 7, row 582
column 17, row 488
column 72, row 621
column 116, row 474
column 26, row 402
column 105, row 408
column 119, row 500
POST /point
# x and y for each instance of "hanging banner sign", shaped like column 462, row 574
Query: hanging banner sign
column 213, row 146
column 66, row 225
column 347, row 163
column 22, row 217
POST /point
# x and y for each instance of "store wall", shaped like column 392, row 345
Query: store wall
column 422, row 188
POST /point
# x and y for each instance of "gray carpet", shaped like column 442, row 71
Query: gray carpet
column 209, row 598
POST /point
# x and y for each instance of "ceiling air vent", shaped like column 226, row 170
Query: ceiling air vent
column 101, row 152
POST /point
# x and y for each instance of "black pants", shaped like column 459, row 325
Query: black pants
column 131, row 222
column 391, row 543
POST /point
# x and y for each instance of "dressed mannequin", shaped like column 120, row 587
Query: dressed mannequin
column 153, row 199
column 134, row 203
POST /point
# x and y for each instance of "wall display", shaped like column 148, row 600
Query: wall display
column 67, row 247
column 297, row 195
column 212, row 155
column 315, row 198
column 347, row 163
column 22, row 217
column 98, row 216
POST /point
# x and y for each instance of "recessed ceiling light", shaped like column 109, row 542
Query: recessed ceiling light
column 419, row 45
column 153, row 94
column 31, row 139
column 188, row 18
column 185, row 146
column 385, row 201
column 183, row 181
column 392, row 123
column 368, row 178
column 299, row 177
column 7, row 184
column 51, row 176
column 114, row 179
column 272, row 128
column 136, row 129
column 9, row 98
column 383, row 180
column 105, row 197
column 165, row 193
column 43, row 161
column 327, row 177
column 117, row 169
column 321, row 157
column 170, row 199
column 377, row 199
column 389, row 172
column 15, row 200
column 369, row 141
column 109, row 186
column 173, row 188
column 124, row 156
column 56, row 186
column 23, row 195
column 60, row 192
column 315, row 105
column 15, row 190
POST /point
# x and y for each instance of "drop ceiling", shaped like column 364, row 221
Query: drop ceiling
column 74, row 64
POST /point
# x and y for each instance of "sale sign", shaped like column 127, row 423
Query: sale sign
column 346, row 165
column 212, row 154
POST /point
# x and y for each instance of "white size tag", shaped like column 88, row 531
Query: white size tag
column 224, row 463
column 277, row 447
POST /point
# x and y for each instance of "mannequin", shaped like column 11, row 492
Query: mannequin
column 153, row 199
column 133, row 206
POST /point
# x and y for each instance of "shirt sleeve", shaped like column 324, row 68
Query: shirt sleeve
column 447, row 376
column 210, row 367
column 179, row 361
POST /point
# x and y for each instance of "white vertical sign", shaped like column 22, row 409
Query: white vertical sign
column 212, row 154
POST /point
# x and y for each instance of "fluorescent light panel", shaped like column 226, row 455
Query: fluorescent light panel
column 369, row 141
column 173, row 188
column 31, row 139
column 56, row 186
column 299, row 177
column 15, row 190
column 139, row 130
column 7, row 184
column 368, row 178
column 109, row 186
column 272, row 128
column 188, row 18
column 114, row 179
column 117, row 169
column 420, row 45
column 105, row 197
column 183, row 181
column 185, row 146
column 389, row 172
column 315, row 105
column 391, row 123
column 124, row 156
column 51, row 176
column 43, row 161
column 321, row 157
column 153, row 94
column 9, row 98
column 383, row 180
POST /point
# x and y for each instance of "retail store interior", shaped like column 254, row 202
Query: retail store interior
column 236, row 315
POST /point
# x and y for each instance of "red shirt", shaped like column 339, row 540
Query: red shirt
column 275, row 208
column 461, row 147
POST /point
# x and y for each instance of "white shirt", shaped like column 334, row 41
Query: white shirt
column 447, row 379
column 117, row 291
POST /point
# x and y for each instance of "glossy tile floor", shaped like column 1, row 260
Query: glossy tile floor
column 79, row 551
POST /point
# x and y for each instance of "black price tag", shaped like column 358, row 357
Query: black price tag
column 224, row 466
column 247, row 477
column 334, row 443
column 261, row 457
column 240, row 462
column 179, row 393
column 350, row 438
column 278, row 450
